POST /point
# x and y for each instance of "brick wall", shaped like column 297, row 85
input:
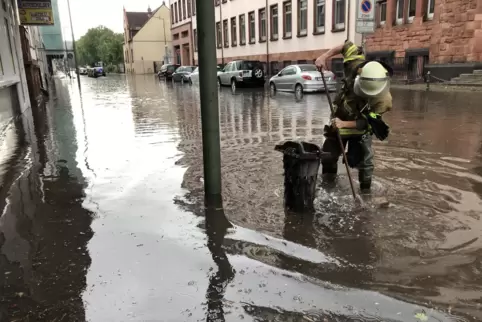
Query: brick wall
column 453, row 34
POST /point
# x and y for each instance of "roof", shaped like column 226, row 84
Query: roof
column 136, row 19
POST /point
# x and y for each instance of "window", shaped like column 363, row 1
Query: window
column 302, row 17
column 274, row 22
column 233, row 32
column 431, row 8
column 287, row 24
column 172, row 13
column 252, row 28
column 194, row 32
column 175, row 12
column 179, row 11
column 183, row 9
column 7, row 28
column 189, row 8
column 262, row 25
column 219, row 36
column 399, row 12
column 242, row 29
column 290, row 70
column 225, row 33
column 193, row 7
column 383, row 12
column 319, row 16
column 184, row 34
column 412, row 7
column 339, row 14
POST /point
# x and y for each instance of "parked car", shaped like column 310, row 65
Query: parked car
column 193, row 78
column 242, row 72
column 167, row 70
column 181, row 74
column 302, row 78
column 96, row 72
column 83, row 71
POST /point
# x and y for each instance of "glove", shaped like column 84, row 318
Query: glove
column 379, row 127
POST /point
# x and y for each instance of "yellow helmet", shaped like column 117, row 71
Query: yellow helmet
column 372, row 80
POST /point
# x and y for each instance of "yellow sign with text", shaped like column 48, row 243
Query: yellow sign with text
column 35, row 12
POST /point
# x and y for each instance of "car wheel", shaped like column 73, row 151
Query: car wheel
column 272, row 87
column 233, row 85
column 182, row 80
column 299, row 89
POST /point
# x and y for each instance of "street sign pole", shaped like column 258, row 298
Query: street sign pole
column 365, row 18
column 209, row 103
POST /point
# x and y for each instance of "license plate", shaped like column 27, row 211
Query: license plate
column 319, row 79
column 326, row 78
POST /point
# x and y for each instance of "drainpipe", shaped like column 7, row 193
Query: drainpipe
column 191, row 50
column 348, row 20
column 268, row 30
column 222, row 30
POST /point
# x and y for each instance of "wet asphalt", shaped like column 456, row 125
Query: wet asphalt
column 102, row 218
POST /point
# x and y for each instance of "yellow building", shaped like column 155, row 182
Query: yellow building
column 147, row 39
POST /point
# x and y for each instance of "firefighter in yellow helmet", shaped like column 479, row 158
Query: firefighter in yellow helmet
column 364, row 97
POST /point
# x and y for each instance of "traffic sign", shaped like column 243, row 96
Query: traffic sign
column 365, row 21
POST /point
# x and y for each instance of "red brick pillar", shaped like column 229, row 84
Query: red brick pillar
column 391, row 10
column 420, row 9
column 477, row 48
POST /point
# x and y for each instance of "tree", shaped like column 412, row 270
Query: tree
column 100, row 44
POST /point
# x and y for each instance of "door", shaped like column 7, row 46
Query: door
column 225, row 74
column 286, row 79
column 291, row 77
column 278, row 80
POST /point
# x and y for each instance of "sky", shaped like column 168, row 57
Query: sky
column 92, row 13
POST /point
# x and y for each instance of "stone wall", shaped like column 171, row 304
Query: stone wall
column 452, row 35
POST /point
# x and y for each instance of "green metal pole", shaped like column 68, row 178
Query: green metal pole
column 209, row 101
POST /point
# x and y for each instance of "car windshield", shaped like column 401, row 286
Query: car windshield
column 171, row 68
column 308, row 68
column 195, row 70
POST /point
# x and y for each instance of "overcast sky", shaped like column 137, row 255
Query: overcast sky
column 92, row 13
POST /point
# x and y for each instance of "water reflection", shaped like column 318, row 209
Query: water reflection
column 217, row 227
column 44, row 229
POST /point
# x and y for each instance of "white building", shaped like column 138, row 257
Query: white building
column 14, row 98
column 280, row 32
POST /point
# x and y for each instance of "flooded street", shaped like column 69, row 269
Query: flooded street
column 103, row 219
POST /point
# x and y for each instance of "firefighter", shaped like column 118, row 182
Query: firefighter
column 364, row 97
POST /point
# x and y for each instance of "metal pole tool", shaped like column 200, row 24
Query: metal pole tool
column 340, row 141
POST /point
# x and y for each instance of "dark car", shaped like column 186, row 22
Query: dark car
column 167, row 70
column 182, row 73
column 242, row 72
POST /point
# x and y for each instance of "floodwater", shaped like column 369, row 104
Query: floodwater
column 102, row 216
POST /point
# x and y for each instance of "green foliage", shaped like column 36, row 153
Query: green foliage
column 100, row 44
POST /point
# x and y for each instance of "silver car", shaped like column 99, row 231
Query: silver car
column 242, row 72
column 302, row 78
column 193, row 78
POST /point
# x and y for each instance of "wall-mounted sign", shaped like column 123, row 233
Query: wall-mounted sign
column 35, row 12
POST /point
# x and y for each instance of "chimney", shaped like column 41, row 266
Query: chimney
column 149, row 11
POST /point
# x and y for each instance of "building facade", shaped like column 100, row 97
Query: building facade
column 444, row 37
column 147, row 40
column 14, row 96
column 182, row 16
column 280, row 32
column 35, row 61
